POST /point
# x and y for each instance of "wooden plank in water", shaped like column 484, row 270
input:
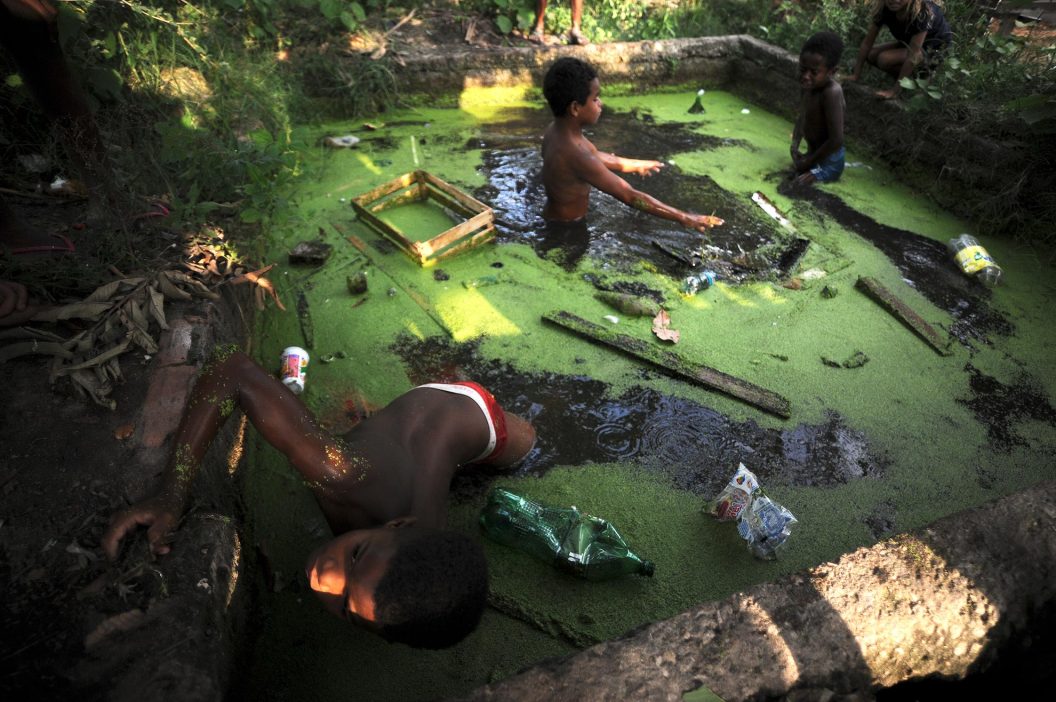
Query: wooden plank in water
column 904, row 313
column 304, row 316
column 674, row 363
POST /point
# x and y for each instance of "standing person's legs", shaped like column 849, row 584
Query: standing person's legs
column 537, row 36
column 575, row 36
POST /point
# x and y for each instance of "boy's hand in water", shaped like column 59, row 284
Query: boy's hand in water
column 702, row 222
column 155, row 513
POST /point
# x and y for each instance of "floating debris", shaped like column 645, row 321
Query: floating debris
column 697, row 107
column 628, row 304
column 904, row 313
column 340, row 142
column 312, row 253
column 357, row 283
column 662, row 328
column 771, row 209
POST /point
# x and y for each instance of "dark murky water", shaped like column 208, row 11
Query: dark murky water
column 614, row 232
column 692, row 445
column 1001, row 407
column 924, row 263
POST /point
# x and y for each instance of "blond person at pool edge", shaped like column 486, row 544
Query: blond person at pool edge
column 392, row 567
column 572, row 165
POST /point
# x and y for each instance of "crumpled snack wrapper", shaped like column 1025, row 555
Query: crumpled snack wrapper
column 764, row 524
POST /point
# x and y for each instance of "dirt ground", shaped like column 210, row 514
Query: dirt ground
column 66, row 464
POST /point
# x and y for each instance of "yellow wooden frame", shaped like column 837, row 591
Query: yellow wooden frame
column 478, row 228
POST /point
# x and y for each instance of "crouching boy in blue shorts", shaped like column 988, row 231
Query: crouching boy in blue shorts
column 821, row 114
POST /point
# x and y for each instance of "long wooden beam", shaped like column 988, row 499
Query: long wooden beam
column 901, row 311
column 668, row 360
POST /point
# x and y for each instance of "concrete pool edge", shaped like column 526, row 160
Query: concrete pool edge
column 944, row 601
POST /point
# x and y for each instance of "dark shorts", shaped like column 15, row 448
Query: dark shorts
column 831, row 168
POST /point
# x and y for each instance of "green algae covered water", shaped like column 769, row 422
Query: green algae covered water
column 870, row 449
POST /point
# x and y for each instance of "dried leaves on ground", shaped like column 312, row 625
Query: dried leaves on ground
column 128, row 314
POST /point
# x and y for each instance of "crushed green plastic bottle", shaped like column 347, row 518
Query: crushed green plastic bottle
column 578, row 543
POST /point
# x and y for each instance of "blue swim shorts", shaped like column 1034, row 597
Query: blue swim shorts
column 830, row 169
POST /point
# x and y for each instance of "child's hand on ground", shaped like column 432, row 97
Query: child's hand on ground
column 702, row 222
column 15, row 305
column 888, row 94
column 12, row 298
column 805, row 178
column 155, row 513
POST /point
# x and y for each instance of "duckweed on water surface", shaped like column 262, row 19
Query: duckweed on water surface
column 888, row 445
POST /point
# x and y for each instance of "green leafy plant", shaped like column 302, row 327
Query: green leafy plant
column 511, row 14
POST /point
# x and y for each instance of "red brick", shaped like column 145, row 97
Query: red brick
column 166, row 398
column 175, row 344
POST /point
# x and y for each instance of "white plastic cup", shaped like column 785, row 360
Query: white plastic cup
column 293, row 369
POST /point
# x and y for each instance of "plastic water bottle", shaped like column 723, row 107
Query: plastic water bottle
column 701, row 280
column 578, row 543
column 974, row 259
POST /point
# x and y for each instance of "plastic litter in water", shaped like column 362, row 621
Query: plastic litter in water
column 341, row 142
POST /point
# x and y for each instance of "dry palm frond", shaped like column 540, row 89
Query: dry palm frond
column 123, row 314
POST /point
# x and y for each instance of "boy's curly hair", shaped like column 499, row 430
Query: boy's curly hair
column 433, row 593
column 567, row 81
column 828, row 45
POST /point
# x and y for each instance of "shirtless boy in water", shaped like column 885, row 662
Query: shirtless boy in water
column 383, row 488
column 572, row 165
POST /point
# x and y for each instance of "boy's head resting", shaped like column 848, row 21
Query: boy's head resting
column 827, row 45
column 567, row 80
column 423, row 587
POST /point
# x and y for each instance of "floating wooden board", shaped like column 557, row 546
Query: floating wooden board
column 890, row 302
column 477, row 228
column 674, row 363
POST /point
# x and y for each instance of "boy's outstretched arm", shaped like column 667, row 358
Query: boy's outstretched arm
column 279, row 415
column 863, row 52
column 638, row 166
column 592, row 169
